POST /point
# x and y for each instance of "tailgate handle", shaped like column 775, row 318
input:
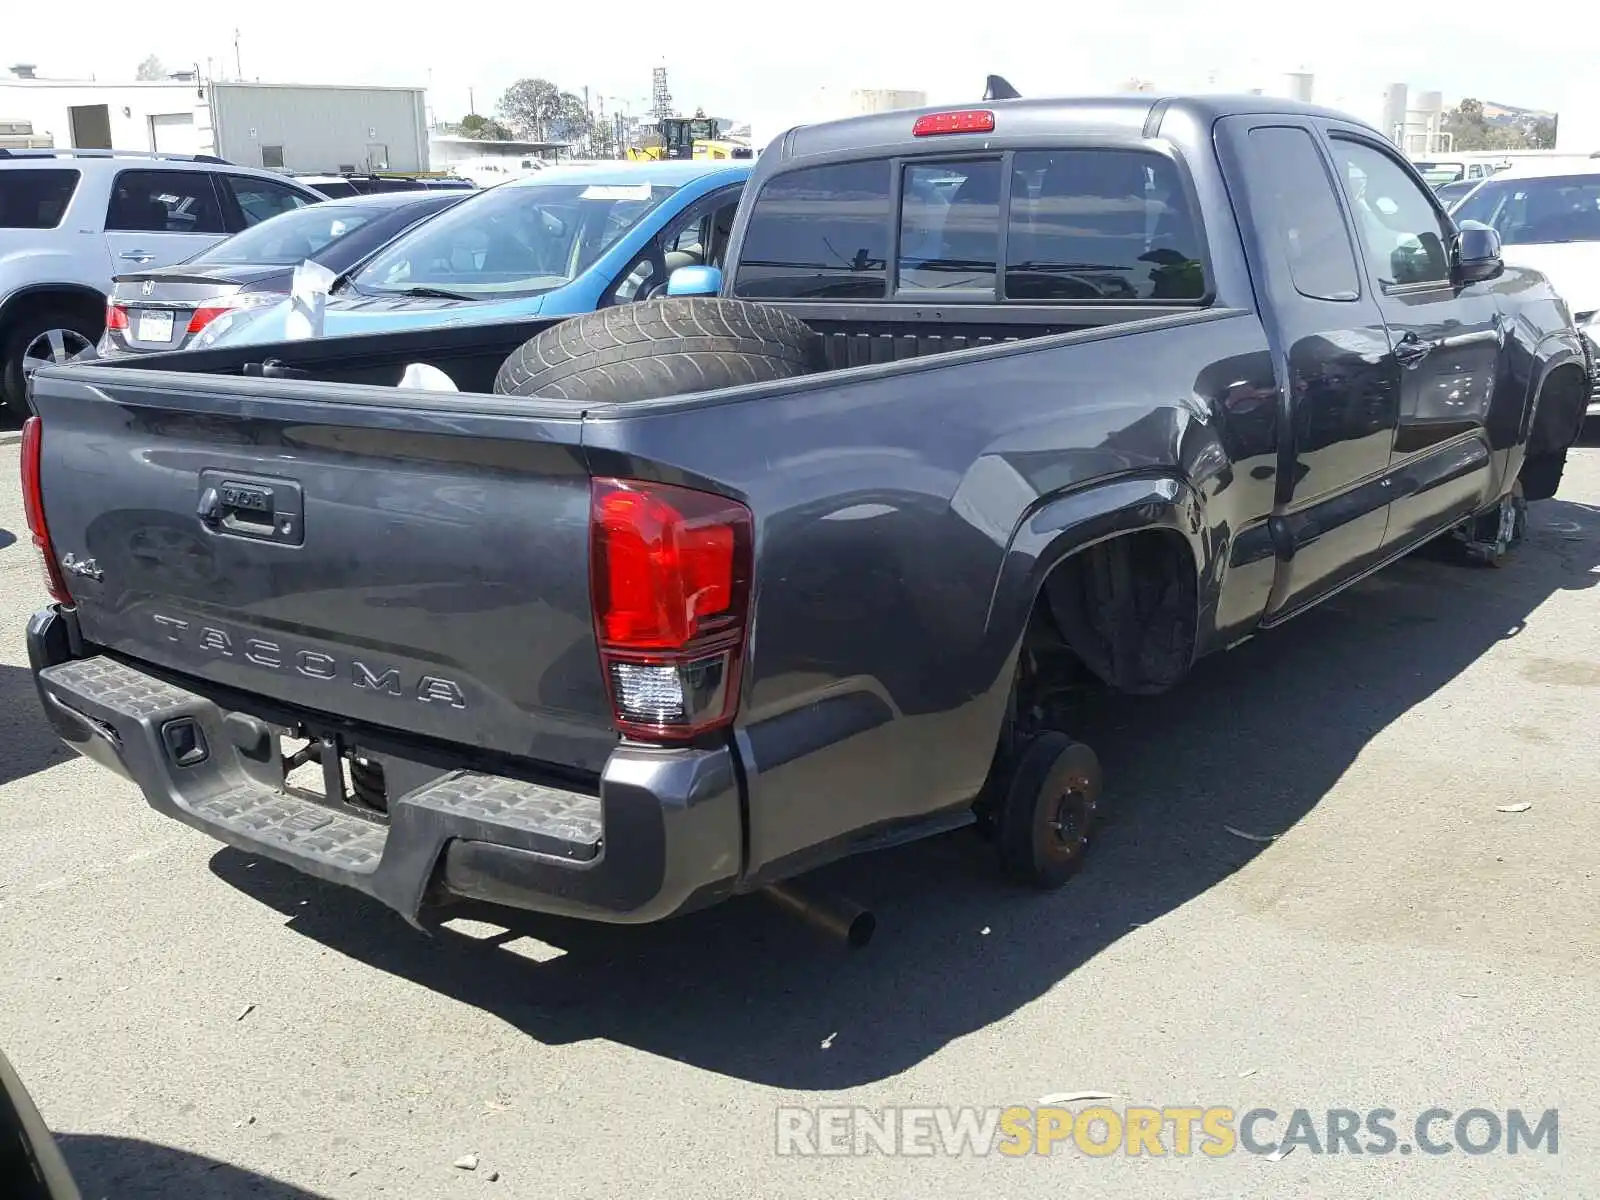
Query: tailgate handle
column 268, row 509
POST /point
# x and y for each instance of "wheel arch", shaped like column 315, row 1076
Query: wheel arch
column 1162, row 510
column 1545, row 429
column 78, row 297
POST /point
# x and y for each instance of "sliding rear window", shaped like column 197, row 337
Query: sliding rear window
column 1080, row 226
column 35, row 198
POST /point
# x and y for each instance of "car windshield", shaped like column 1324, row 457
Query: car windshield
column 1527, row 212
column 511, row 241
column 1436, row 173
column 290, row 237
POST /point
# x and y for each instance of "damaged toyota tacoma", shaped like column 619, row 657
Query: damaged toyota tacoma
column 678, row 599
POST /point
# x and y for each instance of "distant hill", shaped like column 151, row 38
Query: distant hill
column 1509, row 115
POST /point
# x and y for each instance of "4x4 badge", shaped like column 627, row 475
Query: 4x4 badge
column 87, row 567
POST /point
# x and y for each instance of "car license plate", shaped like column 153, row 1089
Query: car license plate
column 155, row 327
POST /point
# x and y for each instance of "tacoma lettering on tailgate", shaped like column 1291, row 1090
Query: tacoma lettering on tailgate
column 275, row 656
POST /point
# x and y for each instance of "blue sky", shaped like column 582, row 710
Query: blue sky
column 768, row 68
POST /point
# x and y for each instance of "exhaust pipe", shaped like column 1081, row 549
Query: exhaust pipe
column 841, row 919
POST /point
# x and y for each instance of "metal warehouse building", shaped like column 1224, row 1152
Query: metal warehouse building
column 294, row 127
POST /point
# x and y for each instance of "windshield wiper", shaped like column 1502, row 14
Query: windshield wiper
column 426, row 293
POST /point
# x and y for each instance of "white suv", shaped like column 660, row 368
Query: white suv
column 72, row 219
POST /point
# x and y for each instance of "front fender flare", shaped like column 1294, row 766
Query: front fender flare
column 1547, row 432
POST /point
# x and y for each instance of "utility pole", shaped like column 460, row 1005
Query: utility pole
column 472, row 105
column 238, row 66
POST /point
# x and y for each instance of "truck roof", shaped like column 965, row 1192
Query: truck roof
column 1123, row 115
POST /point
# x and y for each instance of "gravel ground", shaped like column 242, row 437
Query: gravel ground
column 193, row 1021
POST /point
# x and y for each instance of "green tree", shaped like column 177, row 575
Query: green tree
column 573, row 122
column 539, row 110
column 1471, row 130
column 529, row 106
column 151, row 68
column 473, row 125
column 1543, row 134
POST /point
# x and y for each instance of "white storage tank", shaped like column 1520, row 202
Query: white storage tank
column 876, row 100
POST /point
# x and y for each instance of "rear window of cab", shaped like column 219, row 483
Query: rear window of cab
column 1074, row 226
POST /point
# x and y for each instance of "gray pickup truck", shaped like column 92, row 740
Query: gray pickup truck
column 1088, row 389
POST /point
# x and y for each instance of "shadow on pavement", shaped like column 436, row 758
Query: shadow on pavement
column 1254, row 739
column 128, row 1168
column 7, row 538
column 27, row 743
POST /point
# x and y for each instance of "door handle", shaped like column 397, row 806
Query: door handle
column 1411, row 350
column 138, row 256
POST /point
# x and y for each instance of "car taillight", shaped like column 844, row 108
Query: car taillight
column 212, row 308
column 116, row 317
column 669, row 576
column 968, row 120
column 33, row 509
column 204, row 316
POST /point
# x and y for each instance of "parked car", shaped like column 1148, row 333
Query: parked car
column 1548, row 217
column 1455, row 190
column 168, row 308
column 71, row 219
column 342, row 187
column 714, row 589
column 568, row 240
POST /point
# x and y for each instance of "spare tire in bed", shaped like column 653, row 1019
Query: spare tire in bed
column 660, row 348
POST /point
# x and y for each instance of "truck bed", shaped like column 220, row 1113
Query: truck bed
column 852, row 336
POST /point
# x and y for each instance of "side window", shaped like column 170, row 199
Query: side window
column 35, row 199
column 262, row 198
column 950, row 226
column 164, row 202
column 1400, row 229
column 819, row 233
column 1100, row 225
column 682, row 245
column 689, row 238
column 1290, row 183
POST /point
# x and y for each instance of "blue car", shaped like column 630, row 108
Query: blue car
column 568, row 240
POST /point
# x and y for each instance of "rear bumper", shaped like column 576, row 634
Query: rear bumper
column 664, row 833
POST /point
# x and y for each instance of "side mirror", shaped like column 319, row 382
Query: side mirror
column 1477, row 253
column 694, row 281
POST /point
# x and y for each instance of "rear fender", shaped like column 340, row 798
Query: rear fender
column 1067, row 524
column 67, row 295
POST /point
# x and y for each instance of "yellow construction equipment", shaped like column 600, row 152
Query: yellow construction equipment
column 717, row 148
column 675, row 137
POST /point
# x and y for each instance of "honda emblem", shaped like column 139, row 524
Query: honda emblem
column 149, row 286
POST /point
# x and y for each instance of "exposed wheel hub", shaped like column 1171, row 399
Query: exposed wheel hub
column 1070, row 821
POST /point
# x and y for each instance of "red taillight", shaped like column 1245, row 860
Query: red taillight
column 33, row 509
column 967, row 120
column 204, row 316
column 116, row 317
column 670, row 585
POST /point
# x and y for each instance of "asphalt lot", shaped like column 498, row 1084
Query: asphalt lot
column 195, row 1022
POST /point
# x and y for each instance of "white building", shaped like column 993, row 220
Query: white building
column 281, row 126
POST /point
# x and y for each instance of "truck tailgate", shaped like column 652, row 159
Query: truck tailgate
column 414, row 560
